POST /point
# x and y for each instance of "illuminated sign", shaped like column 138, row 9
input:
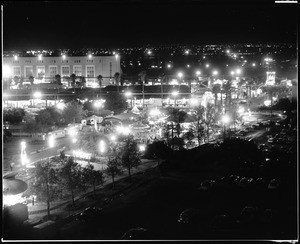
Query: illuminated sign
column 270, row 78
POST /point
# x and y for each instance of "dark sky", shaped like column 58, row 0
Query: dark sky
column 111, row 23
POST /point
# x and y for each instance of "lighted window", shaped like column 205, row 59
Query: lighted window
column 65, row 70
column 53, row 71
column 17, row 71
column 28, row 71
column 77, row 70
column 40, row 71
column 90, row 71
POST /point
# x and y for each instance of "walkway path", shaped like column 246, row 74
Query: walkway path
column 39, row 210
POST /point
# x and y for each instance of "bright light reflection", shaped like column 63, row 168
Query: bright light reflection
column 6, row 71
column 225, row 119
column 51, row 141
column 10, row 200
column 102, row 146
column 37, row 95
column 175, row 93
column 142, row 148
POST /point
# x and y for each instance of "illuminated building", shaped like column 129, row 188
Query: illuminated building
column 44, row 69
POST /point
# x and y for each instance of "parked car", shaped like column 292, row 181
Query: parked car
column 189, row 216
column 135, row 234
column 207, row 184
column 89, row 213
column 233, row 179
column 274, row 184
column 248, row 215
column 263, row 146
column 245, row 181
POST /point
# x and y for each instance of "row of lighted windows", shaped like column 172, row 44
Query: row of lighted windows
column 54, row 61
column 53, row 70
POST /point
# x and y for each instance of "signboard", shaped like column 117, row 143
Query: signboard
column 270, row 79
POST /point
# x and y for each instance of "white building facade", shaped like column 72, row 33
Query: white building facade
column 43, row 69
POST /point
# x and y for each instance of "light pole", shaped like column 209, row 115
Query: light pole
column 175, row 94
column 225, row 120
column 180, row 75
column 23, row 153
column 102, row 150
column 37, row 95
column 128, row 94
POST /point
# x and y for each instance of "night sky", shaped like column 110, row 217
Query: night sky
column 73, row 24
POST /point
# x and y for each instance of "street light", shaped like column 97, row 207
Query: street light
column 51, row 141
column 142, row 148
column 37, row 95
column 215, row 72
column 60, row 106
column 207, row 65
column 90, row 56
column 102, row 146
column 40, row 56
column 175, row 94
column 16, row 57
column 225, row 120
column 169, row 66
column 180, row 75
column 238, row 71
column 253, row 64
column 198, row 72
column 23, row 147
column 128, row 94
column 64, row 56
column 194, row 101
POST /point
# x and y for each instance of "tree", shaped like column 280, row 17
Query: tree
column 82, row 81
column 100, row 80
column 198, row 125
column 215, row 90
column 71, row 176
column 116, row 102
column 142, row 75
column 57, row 79
column 92, row 177
column 227, row 89
column 158, row 150
column 73, row 79
column 209, row 119
column 130, row 155
column 45, row 185
column 31, row 79
column 189, row 137
column 14, row 115
column 176, row 116
column 117, row 79
column 16, row 80
column 114, row 168
column 73, row 112
column 30, row 125
column 48, row 117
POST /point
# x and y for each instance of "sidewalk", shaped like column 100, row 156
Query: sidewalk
column 39, row 210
